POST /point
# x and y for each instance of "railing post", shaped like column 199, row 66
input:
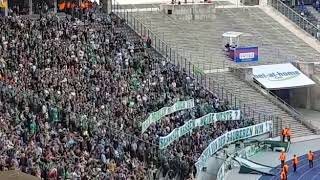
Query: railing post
column 141, row 29
column 166, row 54
column 134, row 23
column 222, row 93
column 253, row 115
column 127, row 20
column 231, row 101
column 174, row 56
column 193, row 69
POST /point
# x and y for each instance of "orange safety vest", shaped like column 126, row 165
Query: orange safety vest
column 288, row 132
column 311, row 156
column 283, row 132
column 295, row 160
column 282, row 157
column 62, row 6
column 286, row 168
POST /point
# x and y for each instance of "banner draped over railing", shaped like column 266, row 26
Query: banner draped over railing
column 230, row 137
column 243, row 153
column 202, row 121
column 156, row 116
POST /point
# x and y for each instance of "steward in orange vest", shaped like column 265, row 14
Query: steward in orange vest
column 286, row 169
column 283, row 175
column 310, row 158
column 295, row 162
column 283, row 133
column 282, row 158
column 288, row 134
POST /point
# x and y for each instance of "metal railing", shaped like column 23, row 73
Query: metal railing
column 296, row 114
column 295, row 17
column 193, row 71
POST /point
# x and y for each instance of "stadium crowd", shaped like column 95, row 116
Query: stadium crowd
column 73, row 91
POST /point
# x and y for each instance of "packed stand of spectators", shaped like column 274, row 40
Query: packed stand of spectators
column 316, row 5
column 73, row 92
column 303, row 9
column 179, row 157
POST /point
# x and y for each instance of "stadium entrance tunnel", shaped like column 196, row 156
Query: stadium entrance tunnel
column 287, row 85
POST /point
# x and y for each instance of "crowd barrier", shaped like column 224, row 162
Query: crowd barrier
column 245, row 153
column 231, row 137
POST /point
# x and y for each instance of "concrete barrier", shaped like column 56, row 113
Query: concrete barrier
column 191, row 11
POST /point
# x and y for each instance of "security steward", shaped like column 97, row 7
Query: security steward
column 282, row 158
column 295, row 163
column 310, row 158
column 283, row 175
column 286, row 170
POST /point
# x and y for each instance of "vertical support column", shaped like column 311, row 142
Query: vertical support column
column 107, row 5
column 55, row 3
column 308, row 100
column 30, row 7
column 6, row 12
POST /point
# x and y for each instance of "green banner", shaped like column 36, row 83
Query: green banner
column 230, row 137
column 156, row 116
column 191, row 124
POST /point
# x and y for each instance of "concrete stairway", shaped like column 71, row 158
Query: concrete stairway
column 203, row 40
column 257, row 101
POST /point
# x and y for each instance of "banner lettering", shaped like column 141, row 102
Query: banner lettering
column 230, row 137
column 191, row 124
column 156, row 116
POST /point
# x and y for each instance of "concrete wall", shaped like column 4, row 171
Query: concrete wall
column 298, row 98
column 315, row 95
column 308, row 97
column 195, row 11
column 244, row 74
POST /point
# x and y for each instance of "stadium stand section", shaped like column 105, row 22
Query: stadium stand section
column 74, row 90
column 201, row 41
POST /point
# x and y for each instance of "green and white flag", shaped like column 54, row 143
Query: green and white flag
column 156, row 116
column 192, row 124
column 231, row 137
